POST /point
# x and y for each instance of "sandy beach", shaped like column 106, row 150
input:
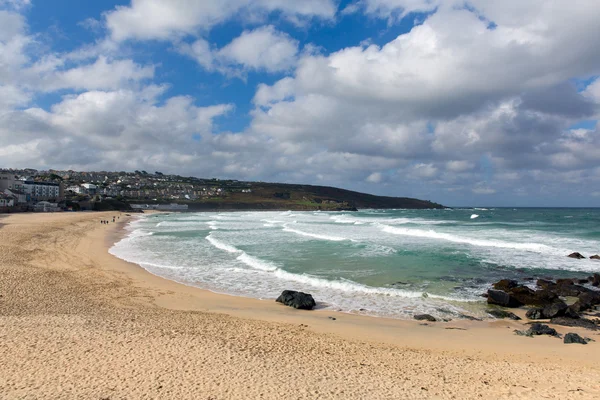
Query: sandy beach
column 76, row 322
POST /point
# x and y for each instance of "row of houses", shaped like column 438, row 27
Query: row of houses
column 25, row 193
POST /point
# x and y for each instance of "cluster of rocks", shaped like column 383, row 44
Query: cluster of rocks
column 579, row 256
column 547, row 302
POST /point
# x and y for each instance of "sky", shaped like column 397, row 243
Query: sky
column 472, row 102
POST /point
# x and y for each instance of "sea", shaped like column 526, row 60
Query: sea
column 385, row 263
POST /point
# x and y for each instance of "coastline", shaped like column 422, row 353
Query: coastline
column 108, row 300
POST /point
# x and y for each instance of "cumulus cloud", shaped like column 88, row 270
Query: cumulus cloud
column 465, row 84
column 472, row 100
column 165, row 20
column 102, row 129
column 260, row 49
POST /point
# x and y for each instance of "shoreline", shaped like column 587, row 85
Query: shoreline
column 80, row 322
column 363, row 326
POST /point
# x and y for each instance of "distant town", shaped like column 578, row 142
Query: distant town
column 24, row 190
column 55, row 190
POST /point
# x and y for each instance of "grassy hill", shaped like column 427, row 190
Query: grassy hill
column 277, row 196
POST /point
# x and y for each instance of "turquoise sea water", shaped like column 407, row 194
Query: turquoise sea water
column 378, row 262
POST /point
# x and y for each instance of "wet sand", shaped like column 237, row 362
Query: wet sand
column 76, row 322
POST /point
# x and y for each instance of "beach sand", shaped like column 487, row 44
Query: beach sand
column 78, row 323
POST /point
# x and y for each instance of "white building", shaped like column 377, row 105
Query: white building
column 75, row 189
column 90, row 188
column 42, row 190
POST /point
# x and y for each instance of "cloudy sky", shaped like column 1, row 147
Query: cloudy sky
column 474, row 102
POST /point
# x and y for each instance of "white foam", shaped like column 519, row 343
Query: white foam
column 313, row 235
column 351, row 287
column 256, row 263
column 431, row 234
column 473, row 216
column 222, row 246
column 212, row 225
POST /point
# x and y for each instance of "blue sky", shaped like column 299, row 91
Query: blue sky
column 464, row 103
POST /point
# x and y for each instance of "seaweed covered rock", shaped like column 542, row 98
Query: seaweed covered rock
column 503, row 314
column 424, row 317
column 538, row 329
column 574, row 338
column 298, row 300
column 578, row 322
column 541, row 329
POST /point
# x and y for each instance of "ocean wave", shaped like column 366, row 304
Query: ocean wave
column 342, row 219
column 222, row 246
column 351, row 287
column 313, row 235
column 257, row 263
column 431, row 234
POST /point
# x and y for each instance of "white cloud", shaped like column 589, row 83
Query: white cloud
column 459, row 165
column 424, row 171
column 261, row 49
column 168, row 19
column 281, row 90
column 375, row 177
column 103, row 129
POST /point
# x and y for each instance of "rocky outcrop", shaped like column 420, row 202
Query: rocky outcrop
column 298, row 300
column 505, row 285
column 576, row 255
column 503, row 314
column 586, row 301
column 556, row 309
column 424, row 317
column 503, row 299
column 574, row 338
column 595, row 257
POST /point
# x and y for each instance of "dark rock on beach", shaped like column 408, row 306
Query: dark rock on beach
column 595, row 257
column 538, row 329
column 299, row 300
column 577, row 322
column 503, row 299
column 541, row 329
column 535, row 313
column 595, row 280
column 576, row 255
column 424, row 317
column 505, row 285
column 574, row 338
column 503, row 314
column 586, row 301
column 553, row 310
column 540, row 298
